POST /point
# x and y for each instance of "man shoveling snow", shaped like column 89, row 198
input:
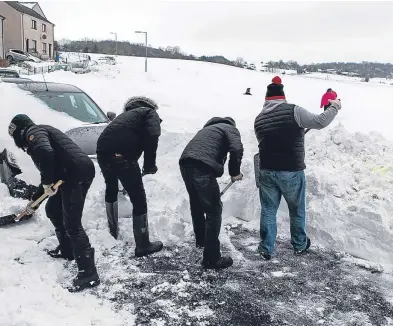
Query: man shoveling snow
column 57, row 157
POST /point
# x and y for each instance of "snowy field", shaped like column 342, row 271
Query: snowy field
column 349, row 179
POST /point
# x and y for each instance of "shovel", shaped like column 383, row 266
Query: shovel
column 9, row 219
column 226, row 188
column 256, row 164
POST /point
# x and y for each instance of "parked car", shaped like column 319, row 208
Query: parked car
column 81, row 67
column 107, row 59
column 15, row 80
column 14, row 56
column 8, row 73
column 64, row 67
column 67, row 99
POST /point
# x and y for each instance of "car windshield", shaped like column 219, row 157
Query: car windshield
column 4, row 73
column 77, row 105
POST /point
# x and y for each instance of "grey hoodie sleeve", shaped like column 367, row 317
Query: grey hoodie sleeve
column 306, row 119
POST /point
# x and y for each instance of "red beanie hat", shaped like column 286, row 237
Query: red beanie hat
column 275, row 91
column 276, row 80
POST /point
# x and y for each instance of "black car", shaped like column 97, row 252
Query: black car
column 8, row 73
column 64, row 98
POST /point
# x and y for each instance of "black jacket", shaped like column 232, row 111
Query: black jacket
column 56, row 156
column 130, row 134
column 280, row 139
column 211, row 145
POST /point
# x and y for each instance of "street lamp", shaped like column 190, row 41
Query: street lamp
column 115, row 40
column 140, row 32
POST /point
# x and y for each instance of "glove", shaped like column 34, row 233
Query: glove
column 48, row 190
column 152, row 170
column 237, row 178
column 30, row 210
column 336, row 104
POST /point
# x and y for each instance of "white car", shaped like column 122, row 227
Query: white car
column 81, row 67
column 107, row 60
column 88, row 123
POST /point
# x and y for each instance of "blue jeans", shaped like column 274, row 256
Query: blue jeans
column 292, row 186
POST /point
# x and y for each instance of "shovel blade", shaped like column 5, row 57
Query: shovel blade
column 7, row 219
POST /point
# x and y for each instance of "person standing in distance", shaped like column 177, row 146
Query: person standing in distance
column 119, row 147
column 280, row 129
column 57, row 157
column 201, row 163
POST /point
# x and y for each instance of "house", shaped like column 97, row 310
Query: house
column 26, row 28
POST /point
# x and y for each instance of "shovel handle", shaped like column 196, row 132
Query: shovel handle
column 39, row 200
column 226, row 188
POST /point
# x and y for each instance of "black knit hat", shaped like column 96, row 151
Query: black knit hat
column 17, row 127
column 275, row 91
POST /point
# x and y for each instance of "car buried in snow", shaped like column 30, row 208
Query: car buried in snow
column 67, row 99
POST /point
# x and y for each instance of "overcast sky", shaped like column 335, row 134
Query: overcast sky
column 256, row 30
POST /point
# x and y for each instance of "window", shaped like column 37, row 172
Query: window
column 44, row 48
column 33, row 24
column 34, row 45
column 77, row 105
column 43, row 28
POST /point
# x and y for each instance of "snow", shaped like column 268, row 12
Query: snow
column 349, row 177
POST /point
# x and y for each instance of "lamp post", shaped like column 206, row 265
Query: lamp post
column 115, row 40
column 140, row 32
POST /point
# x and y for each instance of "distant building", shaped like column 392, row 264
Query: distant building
column 25, row 27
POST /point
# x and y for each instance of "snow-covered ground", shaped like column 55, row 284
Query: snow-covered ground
column 349, row 177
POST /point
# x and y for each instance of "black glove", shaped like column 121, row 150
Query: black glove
column 152, row 170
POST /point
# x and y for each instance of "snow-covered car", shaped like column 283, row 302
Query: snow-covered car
column 15, row 80
column 107, row 60
column 14, row 56
column 8, row 73
column 71, row 101
column 61, row 66
column 80, row 67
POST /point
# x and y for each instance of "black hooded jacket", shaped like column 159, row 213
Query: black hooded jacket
column 211, row 145
column 56, row 156
column 131, row 133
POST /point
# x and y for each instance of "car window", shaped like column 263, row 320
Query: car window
column 8, row 74
column 77, row 105
column 18, row 51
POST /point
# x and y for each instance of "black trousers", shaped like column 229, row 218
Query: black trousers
column 206, row 208
column 130, row 176
column 65, row 211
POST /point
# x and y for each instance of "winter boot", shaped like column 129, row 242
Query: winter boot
column 221, row 263
column 64, row 249
column 112, row 212
column 141, row 234
column 301, row 252
column 212, row 258
column 87, row 273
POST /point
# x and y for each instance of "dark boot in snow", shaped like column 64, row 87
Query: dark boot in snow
column 301, row 252
column 64, row 249
column 112, row 212
column 222, row 262
column 60, row 253
column 141, row 234
column 87, row 273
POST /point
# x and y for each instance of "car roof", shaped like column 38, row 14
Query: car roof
column 15, row 80
column 7, row 70
column 49, row 87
